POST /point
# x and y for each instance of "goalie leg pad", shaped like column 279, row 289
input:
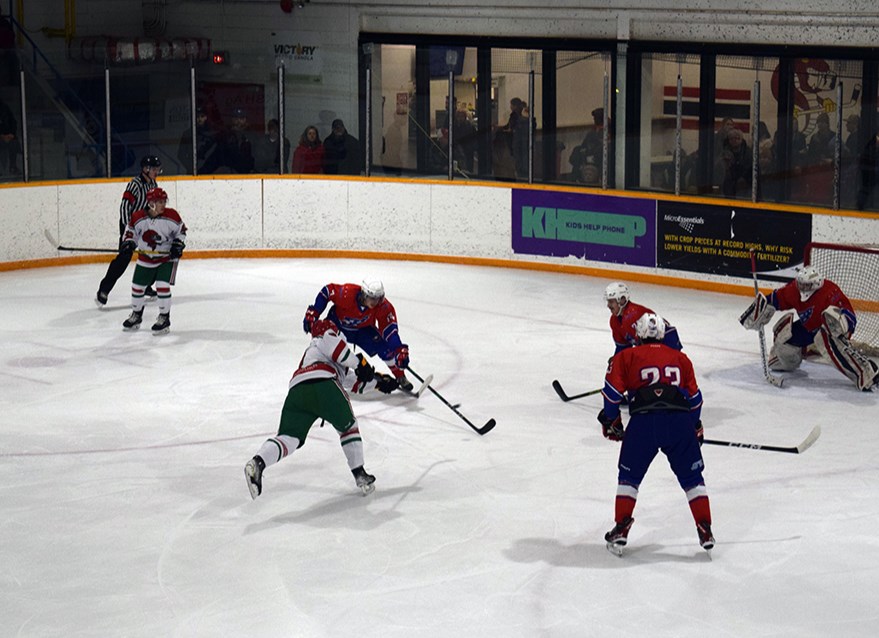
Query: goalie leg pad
column 858, row 368
column 784, row 356
column 836, row 322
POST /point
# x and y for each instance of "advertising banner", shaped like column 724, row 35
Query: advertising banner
column 718, row 239
column 600, row 228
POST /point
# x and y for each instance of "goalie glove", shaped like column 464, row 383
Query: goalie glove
column 401, row 357
column 612, row 429
column 758, row 314
column 364, row 371
column 311, row 315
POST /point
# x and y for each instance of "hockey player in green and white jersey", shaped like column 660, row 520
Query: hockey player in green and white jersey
column 317, row 391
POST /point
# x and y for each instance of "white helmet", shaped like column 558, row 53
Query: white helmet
column 808, row 281
column 373, row 289
column 650, row 326
column 617, row 291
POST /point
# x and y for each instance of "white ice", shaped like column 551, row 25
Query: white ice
column 125, row 511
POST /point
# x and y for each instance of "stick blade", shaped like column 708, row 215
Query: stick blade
column 809, row 441
column 488, row 427
column 559, row 391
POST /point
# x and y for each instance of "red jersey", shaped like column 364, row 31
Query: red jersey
column 622, row 328
column 646, row 365
column 810, row 311
column 352, row 315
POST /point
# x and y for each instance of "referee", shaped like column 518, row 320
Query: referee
column 133, row 199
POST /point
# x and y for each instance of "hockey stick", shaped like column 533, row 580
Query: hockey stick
column 485, row 429
column 95, row 250
column 564, row 397
column 799, row 449
column 776, row 381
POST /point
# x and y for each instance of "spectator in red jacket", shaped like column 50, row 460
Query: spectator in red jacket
column 309, row 155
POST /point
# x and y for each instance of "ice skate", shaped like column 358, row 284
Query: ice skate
column 163, row 324
column 134, row 320
column 366, row 482
column 101, row 299
column 405, row 384
column 617, row 538
column 253, row 474
column 706, row 538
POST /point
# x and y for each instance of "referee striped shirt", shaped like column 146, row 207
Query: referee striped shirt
column 134, row 198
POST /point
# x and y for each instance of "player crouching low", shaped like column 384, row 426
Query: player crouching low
column 368, row 320
column 159, row 235
column 316, row 392
column 824, row 320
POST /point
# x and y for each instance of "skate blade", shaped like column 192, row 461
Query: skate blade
column 249, row 471
column 163, row 331
column 367, row 489
column 131, row 329
column 615, row 548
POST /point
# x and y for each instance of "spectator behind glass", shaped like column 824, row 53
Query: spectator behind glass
column 206, row 146
column 237, row 149
column 736, row 159
column 342, row 154
column 821, row 146
column 308, row 158
column 869, row 169
column 266, row 150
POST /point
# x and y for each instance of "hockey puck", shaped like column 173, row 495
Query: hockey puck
column 456, row 406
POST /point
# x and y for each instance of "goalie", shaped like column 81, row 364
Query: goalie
column 824, row 319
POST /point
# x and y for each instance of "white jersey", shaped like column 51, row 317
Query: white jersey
column 327, row 357
column 154, row 235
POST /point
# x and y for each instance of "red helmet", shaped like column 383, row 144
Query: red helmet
column 321, row 326
column 156, row 194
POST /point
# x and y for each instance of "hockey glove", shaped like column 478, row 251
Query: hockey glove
column 311, row 315
column 385, row 383
column 836, row 322
column 401, row 357
column 612, row 429
column 364, row 371
column 758, row 313
column 177, row 247
column 128, row 246
column 700, row 432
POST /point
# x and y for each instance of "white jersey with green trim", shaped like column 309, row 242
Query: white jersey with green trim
column 326, row 357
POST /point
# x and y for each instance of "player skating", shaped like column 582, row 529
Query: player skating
column 623, row 315
column 133, row 199
column 160, row 236
column 367, row 319
column 665, row 404
column 823, row 318
column 316, row 392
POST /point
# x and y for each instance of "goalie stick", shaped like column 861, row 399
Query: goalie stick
column 776, row 381
column 565, row 397
column 799, row 449
column 485, row 429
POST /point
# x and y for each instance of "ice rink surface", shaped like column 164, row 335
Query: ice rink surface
column 125, row 510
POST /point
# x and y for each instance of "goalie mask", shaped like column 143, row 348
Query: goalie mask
column 650, row 326
column 373, row 290
column 808, row 281
column 323, row 326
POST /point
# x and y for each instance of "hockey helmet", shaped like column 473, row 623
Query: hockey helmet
column 373, row 289
column 808, row 281
column 322, row 326
column 156, row 195
column 650, row 326
column 617, row 291
column 150, row 161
